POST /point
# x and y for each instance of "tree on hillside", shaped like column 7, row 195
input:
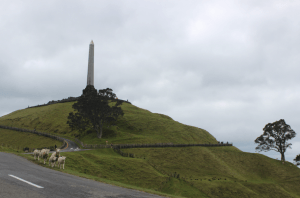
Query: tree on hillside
column 297, row 160
column 275, row 137
column 92, row 110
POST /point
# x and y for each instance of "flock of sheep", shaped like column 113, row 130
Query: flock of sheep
column 55, row 157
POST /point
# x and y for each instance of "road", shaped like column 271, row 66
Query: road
column 20, row 178
column 71, row 147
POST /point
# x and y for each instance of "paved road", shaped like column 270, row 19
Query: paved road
column 51, row 183
column 71, row 147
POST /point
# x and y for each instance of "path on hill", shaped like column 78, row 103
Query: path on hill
column 20, row 178
column 71, row 147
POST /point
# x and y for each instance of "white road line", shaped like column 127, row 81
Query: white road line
column 26, row 181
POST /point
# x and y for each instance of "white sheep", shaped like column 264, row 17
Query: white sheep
column 41, row 153
column 52, row 160
column 36, row 153
column 61, row 161
column 55, row 154
column 44, row 154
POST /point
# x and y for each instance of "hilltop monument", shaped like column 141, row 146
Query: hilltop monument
column 90, row 76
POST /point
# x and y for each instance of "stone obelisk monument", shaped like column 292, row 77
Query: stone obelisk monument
column 90, row 76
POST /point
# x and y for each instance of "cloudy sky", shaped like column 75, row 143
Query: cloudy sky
column 229, row 67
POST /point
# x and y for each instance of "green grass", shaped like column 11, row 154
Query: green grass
column 196, row 163
column 204, row 171
column 240, row 174
column 21, row 140
column 7, row 149
column 136, row 126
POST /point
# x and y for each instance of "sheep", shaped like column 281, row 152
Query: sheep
column 55, row 154
column 36, row 153
column 41, row 154
column 44, row 154
column 61, row 161
column 52, row 160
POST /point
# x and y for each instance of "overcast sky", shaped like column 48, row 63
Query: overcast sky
column 229, row 67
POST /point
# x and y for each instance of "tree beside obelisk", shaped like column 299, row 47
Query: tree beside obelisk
column 90, row 77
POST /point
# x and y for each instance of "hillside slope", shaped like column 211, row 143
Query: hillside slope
column 136, row 126
column 204, row 171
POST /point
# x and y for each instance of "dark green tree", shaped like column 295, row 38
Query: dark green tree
column 297, row 160
column 275, row 137
column 92, row 110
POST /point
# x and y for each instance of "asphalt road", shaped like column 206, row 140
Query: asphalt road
column 71, row 147
column 20, row 178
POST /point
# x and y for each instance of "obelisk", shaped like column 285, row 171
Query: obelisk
column 90, row 76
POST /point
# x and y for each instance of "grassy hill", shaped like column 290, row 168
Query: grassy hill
column 203, row 171
column 136, row 126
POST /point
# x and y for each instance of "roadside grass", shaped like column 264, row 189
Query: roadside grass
column 21, row 140
column 136, row 126
column 8, row 149
column 203, row 171
column 104, row 165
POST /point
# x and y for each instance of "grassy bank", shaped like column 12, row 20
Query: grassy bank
column 203, row 171
column 21, row 140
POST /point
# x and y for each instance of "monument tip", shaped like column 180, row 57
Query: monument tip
column 92, row 42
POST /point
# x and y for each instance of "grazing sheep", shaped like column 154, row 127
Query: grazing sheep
column 36, row 153
column 52, row 160
column 57, row 153
column 61, row 161
column 44, row 154
column 41, row 153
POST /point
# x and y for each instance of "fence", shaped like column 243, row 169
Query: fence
column 123, row 146
column 64, row 143
column 116, row 147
